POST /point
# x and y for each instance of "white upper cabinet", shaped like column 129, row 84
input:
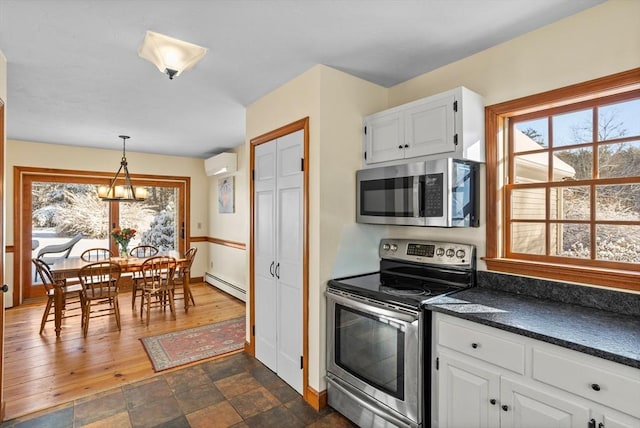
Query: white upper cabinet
column 450, row 124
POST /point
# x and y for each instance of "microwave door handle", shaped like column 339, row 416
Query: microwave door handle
column 416, row 196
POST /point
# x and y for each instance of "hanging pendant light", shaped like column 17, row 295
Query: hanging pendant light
column 125, row 191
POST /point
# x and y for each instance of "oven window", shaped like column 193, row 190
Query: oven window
column 371, row 348
column 390, row 197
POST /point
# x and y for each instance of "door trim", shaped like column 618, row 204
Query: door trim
column 310, row 396
column 2, row 255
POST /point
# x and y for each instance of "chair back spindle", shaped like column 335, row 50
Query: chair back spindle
column 96, row 255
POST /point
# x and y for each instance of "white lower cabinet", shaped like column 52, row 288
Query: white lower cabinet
column 524, row 406
column 468, row 394
column 542, row 386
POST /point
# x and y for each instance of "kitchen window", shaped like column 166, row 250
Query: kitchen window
column 565, row 165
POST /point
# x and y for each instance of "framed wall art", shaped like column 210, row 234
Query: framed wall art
column 226, row 195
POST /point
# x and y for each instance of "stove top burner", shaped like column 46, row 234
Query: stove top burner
column 405, row 292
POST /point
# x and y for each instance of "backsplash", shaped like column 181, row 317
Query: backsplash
column 592, row 297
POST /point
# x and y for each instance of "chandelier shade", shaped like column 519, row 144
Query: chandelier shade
column 171, row 56
column 121, row 188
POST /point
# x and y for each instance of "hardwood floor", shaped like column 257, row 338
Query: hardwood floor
column 40, row 371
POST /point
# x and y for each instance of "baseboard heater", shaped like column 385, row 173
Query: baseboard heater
column 226, row 286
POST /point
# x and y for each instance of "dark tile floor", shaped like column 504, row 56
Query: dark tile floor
column 235, row 391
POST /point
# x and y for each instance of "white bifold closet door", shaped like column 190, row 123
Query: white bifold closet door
column 278, row 256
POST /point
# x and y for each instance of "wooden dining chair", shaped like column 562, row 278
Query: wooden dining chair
column 182, row 278
column 72, row 306
column 157, row 287
column 141, row 252
column 100, row 283
column 96, row 254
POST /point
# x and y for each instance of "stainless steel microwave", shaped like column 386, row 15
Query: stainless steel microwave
column 439, row 193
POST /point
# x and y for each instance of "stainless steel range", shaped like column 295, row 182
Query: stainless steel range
column 379, row 335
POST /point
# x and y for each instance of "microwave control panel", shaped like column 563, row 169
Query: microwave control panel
column 433, row 195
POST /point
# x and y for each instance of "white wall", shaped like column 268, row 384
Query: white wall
column 600, row 41
column 23, row 153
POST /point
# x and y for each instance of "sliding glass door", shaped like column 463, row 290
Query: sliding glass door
column 62, row 216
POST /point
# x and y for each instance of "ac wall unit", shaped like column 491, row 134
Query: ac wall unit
column 224, row 163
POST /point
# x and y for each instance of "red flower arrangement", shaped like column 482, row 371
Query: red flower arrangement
column 122, row 237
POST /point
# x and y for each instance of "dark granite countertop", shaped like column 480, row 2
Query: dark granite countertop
column 605, row 334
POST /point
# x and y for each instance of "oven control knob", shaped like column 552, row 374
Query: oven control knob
column 450, row 252
column 460, row 254
column 386, row 247
column 394, row 247
column 440, row 252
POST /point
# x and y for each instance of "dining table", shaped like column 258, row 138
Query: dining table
column 68, row 269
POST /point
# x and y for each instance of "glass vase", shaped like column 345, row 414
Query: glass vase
column 123, row 250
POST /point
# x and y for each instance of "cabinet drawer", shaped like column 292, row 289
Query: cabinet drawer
column 620, row 390
column 488, row 347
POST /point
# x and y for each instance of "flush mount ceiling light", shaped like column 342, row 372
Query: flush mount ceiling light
column 171, row 56
column 124, row 192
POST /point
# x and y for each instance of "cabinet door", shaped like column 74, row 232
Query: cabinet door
column 468, row 395
column 614, row 419
column 525, row 407
column 430, row 128
column 384, row 138
column 289, row 251
column 265, row 255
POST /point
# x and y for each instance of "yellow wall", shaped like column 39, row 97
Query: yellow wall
column 22, row 153
column 335, row 103
column 600, row 41
column 3, row 99
column 226, row 262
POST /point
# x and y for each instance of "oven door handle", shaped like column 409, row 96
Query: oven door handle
column 377, row 309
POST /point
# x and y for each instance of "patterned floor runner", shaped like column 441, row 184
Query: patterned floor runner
column 194, row 344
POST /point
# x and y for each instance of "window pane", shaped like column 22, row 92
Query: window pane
column 619, row 120
column 528, row 238
column 62, row 210
column 528, row 204
column 570, row 203
column 155, row 219
column 618, row 202
column 619, row 160
column 618, row 243
column 572, row 164
column 531, row 168
column 573, row 128
column 570, row 240
column 532, row 135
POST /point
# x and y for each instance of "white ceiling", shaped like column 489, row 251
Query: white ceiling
column 74, row 76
